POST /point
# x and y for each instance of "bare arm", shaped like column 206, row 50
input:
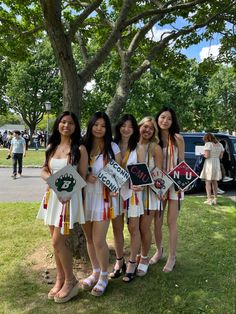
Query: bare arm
column 83, row 162
column 158, row 156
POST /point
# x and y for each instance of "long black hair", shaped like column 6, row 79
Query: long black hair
column 174, row 128
column 88, row 139
column 134, row 138
column 55, row 139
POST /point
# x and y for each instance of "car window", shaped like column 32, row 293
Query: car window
column 191, row 142
column 234, row 145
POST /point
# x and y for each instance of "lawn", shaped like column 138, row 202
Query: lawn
column 202, row 282
column 33, row 158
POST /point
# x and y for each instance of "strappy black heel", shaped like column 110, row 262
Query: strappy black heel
column 117, row 272
column 128, row 277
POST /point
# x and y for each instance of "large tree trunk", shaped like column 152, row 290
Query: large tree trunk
column 119, row 100
column 61, row 44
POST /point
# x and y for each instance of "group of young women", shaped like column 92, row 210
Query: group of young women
column 156, row 142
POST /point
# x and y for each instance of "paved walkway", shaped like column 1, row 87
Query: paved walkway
column 28, row 188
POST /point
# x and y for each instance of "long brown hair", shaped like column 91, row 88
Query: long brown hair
column 209, row 137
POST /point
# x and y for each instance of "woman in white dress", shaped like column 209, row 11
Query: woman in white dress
column 154, row 158
column 64, row 147
column 211, row 172
column 172, row 144
column 130, row 198
column 100, row 204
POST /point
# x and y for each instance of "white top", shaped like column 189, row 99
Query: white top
column 211, row 168
column 51, row 215
column 133, row 206
column 94, row 192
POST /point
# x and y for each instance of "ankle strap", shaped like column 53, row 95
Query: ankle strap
column 96, row 270
column 131, row 262
column 119, row 258
column 103, row 273
column 144, row 257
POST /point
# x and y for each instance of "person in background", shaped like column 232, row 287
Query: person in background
column 211, row 172
column 35, row 138
column 9, row 138
column 17, row 150
column 173, row 147
column 64, row 147
column 25, row 135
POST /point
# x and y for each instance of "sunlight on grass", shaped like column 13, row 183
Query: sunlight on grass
column 202, row 281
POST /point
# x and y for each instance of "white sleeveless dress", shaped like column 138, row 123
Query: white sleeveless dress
column 94, row 192
column 51, row 215
column 132, row 207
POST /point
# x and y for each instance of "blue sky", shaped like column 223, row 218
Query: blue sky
column 200, row 51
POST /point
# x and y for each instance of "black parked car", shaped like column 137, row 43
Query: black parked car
column 228, row 141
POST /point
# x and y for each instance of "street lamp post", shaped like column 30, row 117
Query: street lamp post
column 48, row 107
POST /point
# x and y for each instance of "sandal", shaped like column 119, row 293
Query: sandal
column 89, row 282
column 168, row 268
column 142, row 268
column 57, row 287
column 117, row 272
column 72, row 293
column 130, row 276
column 101, row 285
column 156, row 257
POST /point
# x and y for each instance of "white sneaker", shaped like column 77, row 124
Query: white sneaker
column 219, row 191
column 227, row 179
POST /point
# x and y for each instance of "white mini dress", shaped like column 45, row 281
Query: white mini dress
column 211, row 168
column 94, row 192
column 51, row 215
column 133, row 206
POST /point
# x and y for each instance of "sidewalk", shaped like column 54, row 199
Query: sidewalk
column 29, row 188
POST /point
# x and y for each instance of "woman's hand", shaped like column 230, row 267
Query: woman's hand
column 91, row 178
column 136, row 188
column 63, row 200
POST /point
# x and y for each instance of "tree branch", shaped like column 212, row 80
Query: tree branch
column 80, row 19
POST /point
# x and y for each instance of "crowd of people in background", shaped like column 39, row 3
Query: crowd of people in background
column 37, row 140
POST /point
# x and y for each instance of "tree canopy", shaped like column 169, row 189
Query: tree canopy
column 126, row 28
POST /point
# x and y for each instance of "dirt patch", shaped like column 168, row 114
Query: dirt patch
column 42, row 262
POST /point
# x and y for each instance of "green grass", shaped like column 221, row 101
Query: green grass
column 202, row 282
column 33, row 158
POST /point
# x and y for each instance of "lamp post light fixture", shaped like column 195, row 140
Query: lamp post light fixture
column 48, row 107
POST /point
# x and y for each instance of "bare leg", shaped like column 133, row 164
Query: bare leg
column 146, row 236
column 172, row 216
column 60, row 276
column 91, row 280
column 158, row 222
column 118, row 228
column 102, row 251
column 214, row 188
column 64, row 254
column 135, row 242
column 208, row 189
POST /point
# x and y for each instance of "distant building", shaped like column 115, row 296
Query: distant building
column 12, row 127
